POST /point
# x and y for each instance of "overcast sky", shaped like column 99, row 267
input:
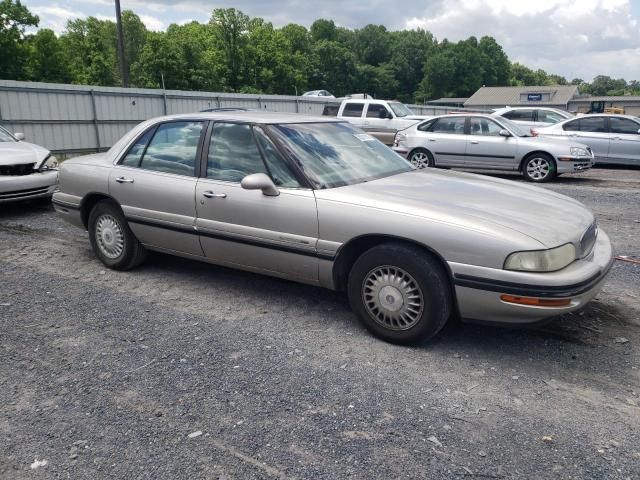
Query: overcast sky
column 574, row 38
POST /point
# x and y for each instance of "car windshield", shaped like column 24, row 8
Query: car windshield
column 400, row 109
column 516, row 129
column 337, row 154
column 6, row 136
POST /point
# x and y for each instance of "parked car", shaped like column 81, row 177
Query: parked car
column 318, row 93
column 318, row 201
column 27, row 171
column 380, row 118
column 484, row 142
column 613, row 138
column 533, row 117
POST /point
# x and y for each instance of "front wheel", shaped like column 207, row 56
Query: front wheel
column 539, row 168
column 111, row 238
column 400, row 293
column 421, row 158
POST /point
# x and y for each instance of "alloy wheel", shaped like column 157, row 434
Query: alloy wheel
column 538, row 168
column 420, row 160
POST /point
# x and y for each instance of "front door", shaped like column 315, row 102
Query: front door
column 591, row 131
column 486, row 148
column 624, row 144
column 155, row 185
column 378, row 121
column 242, row 228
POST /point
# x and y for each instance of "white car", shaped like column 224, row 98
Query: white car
column 26, row 170
column 318, row 93
column 531, row 117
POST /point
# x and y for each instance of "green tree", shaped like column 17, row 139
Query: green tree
column 323, row 29
column 135, row 36
column 47, row 60
column 14, row 19
column 160, row 57
column 373, row 45
column 495, row 63
column 334, row 68
column 232, row 26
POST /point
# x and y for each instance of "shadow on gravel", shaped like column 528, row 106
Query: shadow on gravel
column 9, row 211
column 585, row 328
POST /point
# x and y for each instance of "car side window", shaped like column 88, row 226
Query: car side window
column 594, row 124
column 426, row 126
column 623, row 126
column 484, row 127
column 573, row 126
column 522, row 115
column 134, row 155
column 280, row 172
column 233, row 153
column 173, row 148
column 549, row 117
column 377, row 111
column 451, row 125
column 353, row 110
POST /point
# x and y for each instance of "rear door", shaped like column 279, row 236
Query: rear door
column 155, row 184
column 486, row 148
column 353, row 112
column 242, row 228
column 624, row 144
column 524, row 117
column 591, row 131
column 445, row 138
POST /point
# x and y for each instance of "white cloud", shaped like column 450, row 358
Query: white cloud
column 152, row 23
column 55, row 17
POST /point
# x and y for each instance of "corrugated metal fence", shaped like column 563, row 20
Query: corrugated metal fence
column 76, row 118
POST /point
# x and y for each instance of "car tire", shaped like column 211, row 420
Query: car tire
column 383, row 280
column 539, row 168
column 111, row 238
column 421, row 158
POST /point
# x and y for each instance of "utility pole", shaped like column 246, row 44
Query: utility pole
column 123, row 61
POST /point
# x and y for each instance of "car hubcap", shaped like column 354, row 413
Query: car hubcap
column 538, row 168
column 109, row 236
column 392, row 298
column 420, row 160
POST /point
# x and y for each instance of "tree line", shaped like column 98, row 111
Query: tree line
column 237, row 53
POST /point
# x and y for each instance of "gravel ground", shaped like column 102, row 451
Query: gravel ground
column 185, row 370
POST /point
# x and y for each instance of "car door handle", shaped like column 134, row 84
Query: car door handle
column 475, row 142
column 431, row 139
column 210, row 194
column 124, row 180
column 615, row 138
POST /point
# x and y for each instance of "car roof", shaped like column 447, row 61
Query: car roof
column 252, row 116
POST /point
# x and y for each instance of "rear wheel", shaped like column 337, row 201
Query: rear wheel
column 111, row 238
column 400, row 293
column 539, row 167
column 421, row 158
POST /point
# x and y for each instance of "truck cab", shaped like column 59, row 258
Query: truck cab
column 380, row 118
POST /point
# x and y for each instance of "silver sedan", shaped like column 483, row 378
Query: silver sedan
column 613, row 138
column 484, row 142
column 318, row 201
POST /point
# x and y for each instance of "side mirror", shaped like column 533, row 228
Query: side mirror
column 260, row 181
column 504, row 133
column 390, row 115
column 19, row 136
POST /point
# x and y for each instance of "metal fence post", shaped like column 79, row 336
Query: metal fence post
column 164, row 101
column 259, row 103
column 95, row 119
column 297, row 106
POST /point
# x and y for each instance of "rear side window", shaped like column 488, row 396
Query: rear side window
column 452, row 125
column 623, row 126
column 377, row 111
column 353, row 110
column 595, row 124
column 519, row 115
column 426, row 126
column 173, row 148
column 572, row 126
column 134, row 155
column 330, row 110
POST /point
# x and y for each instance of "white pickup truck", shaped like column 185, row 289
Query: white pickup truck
column 380, row 118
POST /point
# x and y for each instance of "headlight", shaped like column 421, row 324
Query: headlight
column 579, row 152
column 541, row 260
column 49, row 163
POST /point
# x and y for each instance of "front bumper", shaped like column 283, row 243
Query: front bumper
column 22, row 187
column 479, row 289
column 572, row 164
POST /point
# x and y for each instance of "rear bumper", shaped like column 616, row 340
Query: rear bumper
column 23, row 187
column 479, row 289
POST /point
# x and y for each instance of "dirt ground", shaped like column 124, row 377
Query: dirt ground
column 184, row 370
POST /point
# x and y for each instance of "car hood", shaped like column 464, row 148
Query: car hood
column 473, row 201
column 91, row 158
column 19, row 153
